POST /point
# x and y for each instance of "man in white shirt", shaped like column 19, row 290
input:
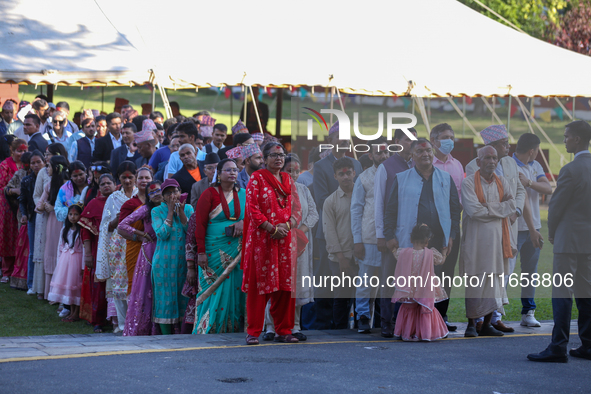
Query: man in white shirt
column 533, row 178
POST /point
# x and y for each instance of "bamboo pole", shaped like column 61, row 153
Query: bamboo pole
column 453, row 104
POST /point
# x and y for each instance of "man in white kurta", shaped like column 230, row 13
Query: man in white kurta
column 481, row 254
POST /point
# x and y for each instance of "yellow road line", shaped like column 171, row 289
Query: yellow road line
column 186, row 349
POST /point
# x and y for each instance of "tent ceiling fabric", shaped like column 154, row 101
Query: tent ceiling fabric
column 67, row 43
column 374, row 48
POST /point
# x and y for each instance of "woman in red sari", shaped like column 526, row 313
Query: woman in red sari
column 269, row 254
column 8, row 224
column 93, row 301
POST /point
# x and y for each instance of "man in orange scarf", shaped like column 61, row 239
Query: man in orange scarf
column 486, row 242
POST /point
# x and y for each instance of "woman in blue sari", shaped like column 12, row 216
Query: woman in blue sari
column 220, row 303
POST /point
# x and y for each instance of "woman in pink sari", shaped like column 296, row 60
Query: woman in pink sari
column 139, row 304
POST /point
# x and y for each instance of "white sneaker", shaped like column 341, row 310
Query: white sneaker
column 30, row 292
column 528, row 320
column 65, row 312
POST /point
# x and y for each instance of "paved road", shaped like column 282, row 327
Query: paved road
column 332, row 361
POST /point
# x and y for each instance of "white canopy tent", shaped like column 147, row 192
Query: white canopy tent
column 375, row 47
column 67, row 43
column 378, row 47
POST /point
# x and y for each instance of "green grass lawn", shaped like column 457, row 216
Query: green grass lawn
column 24, row 315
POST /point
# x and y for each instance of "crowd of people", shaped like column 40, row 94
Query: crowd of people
column 156, row 227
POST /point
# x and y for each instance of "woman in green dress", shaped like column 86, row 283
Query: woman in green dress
column 169, row 267
column 219, row 219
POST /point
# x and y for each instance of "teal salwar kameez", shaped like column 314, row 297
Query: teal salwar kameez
column 169, row 267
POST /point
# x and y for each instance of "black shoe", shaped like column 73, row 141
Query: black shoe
column 363, row 325
column 450, row 327
column 387, row 332
column 301, row 337
column 548, row 356
column 490, row 331
column 269, row 336
column 471, row 332
column 581, row 352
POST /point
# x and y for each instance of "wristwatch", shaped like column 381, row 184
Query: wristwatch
column 530, row 182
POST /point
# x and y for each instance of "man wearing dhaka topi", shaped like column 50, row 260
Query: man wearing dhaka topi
column 486, row 243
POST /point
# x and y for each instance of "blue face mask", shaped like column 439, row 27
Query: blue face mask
column 446, row 146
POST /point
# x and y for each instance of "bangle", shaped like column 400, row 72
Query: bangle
column 276, row 229
column 530, row 183
column 288, row 225
column 134, row 237
column 168, row 222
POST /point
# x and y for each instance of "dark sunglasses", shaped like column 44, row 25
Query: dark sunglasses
column 60, row 122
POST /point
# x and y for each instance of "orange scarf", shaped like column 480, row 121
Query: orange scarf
column 507, row 252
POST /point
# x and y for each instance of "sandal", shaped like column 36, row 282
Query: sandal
column 301, row 337
column 286, row 339
column 252, row 340
column 98, row 329
column 269, row 336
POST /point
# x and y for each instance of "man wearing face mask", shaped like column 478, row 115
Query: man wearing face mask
column 442, row 138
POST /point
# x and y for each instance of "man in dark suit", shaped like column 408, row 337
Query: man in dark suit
column 324, row 185
column 569, row 226
column 31, row 128
column 105, row 145
column 128, row 149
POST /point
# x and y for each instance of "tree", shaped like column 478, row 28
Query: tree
column 531, row 16
column 573, row 29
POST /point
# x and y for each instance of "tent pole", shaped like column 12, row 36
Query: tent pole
column 50, row 93
column 231, row 105
column 563, row 108
column 462, row 114
column 464, row 111
column 495, row 115
column 509, row 116
column 153, row 98
column 343, row 109
column 245, row 90
column 574, row 117
column 165, row 101
column 279, row 113
column 421, row 105
column 256, row 111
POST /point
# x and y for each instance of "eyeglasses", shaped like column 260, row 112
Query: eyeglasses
column 211, row 168
column 277, row 155
column 96, row 168
column 231, row 170
column 60, row 122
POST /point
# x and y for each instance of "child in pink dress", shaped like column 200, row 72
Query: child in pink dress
column 66, row 284
column 418, row 320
